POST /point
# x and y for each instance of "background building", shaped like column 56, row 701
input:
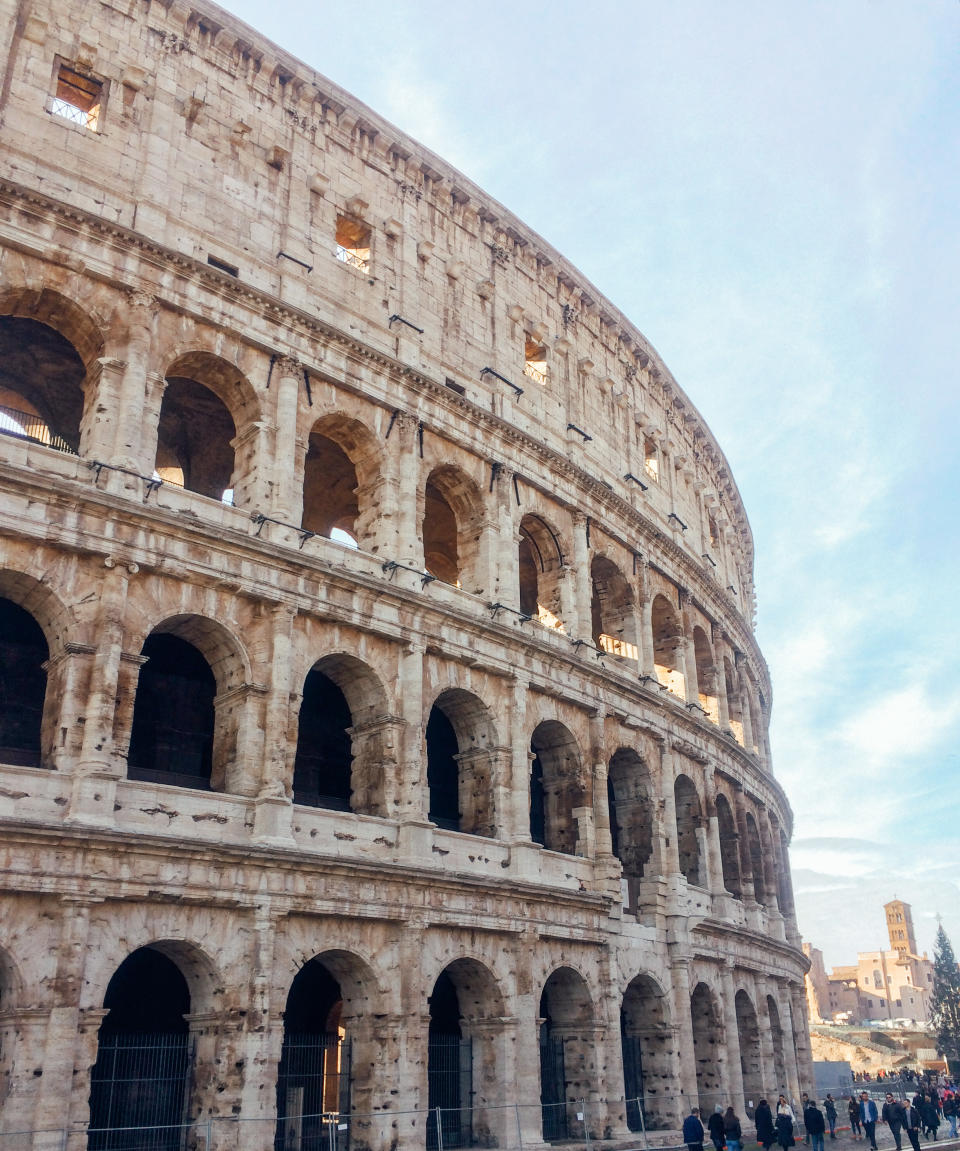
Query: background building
column 382, row 723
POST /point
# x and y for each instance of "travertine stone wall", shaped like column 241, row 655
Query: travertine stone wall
column 402, row 401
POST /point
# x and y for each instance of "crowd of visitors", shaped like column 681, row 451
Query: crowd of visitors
column 924, row 1114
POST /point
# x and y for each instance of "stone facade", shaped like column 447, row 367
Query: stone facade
column 377, row 627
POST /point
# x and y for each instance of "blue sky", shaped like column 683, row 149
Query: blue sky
column 772, row 193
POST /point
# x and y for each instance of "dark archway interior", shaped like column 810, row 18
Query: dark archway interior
column 314, row 1002
column 42, row 375
column 445, row 1008
column 23, row 685
column 529, row 579
column 443, row 776
column 440, row 551
column 194, row 438
column 147, row 995
column 729, row 848
column 329, row 488
column 322, row 768
column 171, row 740
column 538, row 803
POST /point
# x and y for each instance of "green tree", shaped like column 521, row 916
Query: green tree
column 945, row 1000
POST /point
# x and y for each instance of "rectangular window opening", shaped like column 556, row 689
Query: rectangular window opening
column 77, row 98
column 651, row 458
column 223, row 266
column 535, row 356
column 353, row 243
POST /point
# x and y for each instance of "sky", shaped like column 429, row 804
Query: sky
column 771, row 193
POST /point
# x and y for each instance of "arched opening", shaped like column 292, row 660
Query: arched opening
column 329, row 490
column 540, row 568
column 557, row 787
column 141, row 1079
column 195, row 439
column 611, row 608
column 451, row 527
column 748, row 1034
column 313, row 1078
column 734, row 708
column 689, row 821
column 460, row 763
column 171, row 739
column 631, row 817
column 706, row 675
column 729, row 848
column 756, row 860
column 707, row 1047
column 449, row 1068
column 647, row 1043
column 23, row 685
column 566, row 1052
column 41, row 384
column 776, row 1038
column 667, row 646
column 324, row 760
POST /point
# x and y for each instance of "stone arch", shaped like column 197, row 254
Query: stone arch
column 646, row 1038
column 57, row 311
column 160, row 744
column 630, row 800
column 540, row 569
column 558, row 787
column 729, row 847
column 613, row 619
column 734, row 706
column 756, row 860
column 706, row 675
column 464, row 1076
column 668, row 646
column 748, row 1035
column 567, row 1059
column 708, row 1047
column 341, row 478
column 340, row 753
column 460, row 742
column 776, row 1039
column 689, row 824
column 451, row 526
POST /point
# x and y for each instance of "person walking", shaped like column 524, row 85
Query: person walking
column 912, row 1121
column 853, row 1110
column 763, row 1118
column 868, row 1117
column 784, row 1123
column 830, row 1110
column 693, row 1130
column 892, row 1115
column 930, row 1117
column 715, row 1127
column 731, row 1130
column 950, row 1113
column 813, row 1122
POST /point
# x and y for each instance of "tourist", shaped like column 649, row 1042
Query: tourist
column 693, row 1130
column 930, row 1117
column 715, row 1127
column 731, row 1130
column 892, row 1115
column 950, row 1113
column 784, row 1124
column 912, row 1121
column 853, row 1110
column 830, row 1110
column 868, row 1117
column 814, row 1124
column 763, row 1118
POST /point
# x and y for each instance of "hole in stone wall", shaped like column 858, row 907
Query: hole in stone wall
column 23, row 685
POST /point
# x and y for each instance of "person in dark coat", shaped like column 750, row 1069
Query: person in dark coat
column 715, row 1127
column 763, row 1117
column 784, row 1124
column 731, row 1130
column 693, row 1130
column 853, row 1110
column 911, row 1123
column 830, row 1110
column 930, row 1117
column 813, row 1121
column 892, row 1114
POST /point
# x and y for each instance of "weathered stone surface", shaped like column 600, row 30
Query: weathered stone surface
column 552, row 589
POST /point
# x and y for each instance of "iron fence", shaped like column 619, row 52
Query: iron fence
column 25, row 426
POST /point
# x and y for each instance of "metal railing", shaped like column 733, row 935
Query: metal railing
column 354, row 257
column 25, row 426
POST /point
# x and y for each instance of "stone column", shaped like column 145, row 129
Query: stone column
column 644, row 618
column 747, row 880
column 801, row 1035
column 287, row 499
column 668, row 831
column 504, row 516
column 723, row 706
column 789, row 1024
column 85, row 1039
column 686, row 1073
column 581, row 626
column 97, row 770
column 601, row 808
column 732, row 1030
column 749, row 740
column 273, row 809
column 517, row 826
column 263, row 1037
column 768, row 1064
column 68, row 685
column 687, row 654
column 398, row 534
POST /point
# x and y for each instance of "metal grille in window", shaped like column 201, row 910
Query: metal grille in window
column 633, row 1082
column 313, row 1093
column 553, row 1090
column 139, row 1090
column 77, row 98
column 449, row 1092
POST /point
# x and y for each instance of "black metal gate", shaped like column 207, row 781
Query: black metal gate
column 633, row 1081
column 140, row 1082
column 313, row 1092
column 553, row 1103
column 449, row 1092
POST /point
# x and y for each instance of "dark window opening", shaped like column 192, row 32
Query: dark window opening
column 194, row 440
column 324, row 760
column 23, row 685
column 443, row 774
column 41, row 377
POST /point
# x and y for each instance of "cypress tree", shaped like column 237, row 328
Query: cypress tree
column 945, row 1000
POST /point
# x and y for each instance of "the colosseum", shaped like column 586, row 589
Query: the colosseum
column 384, row 735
